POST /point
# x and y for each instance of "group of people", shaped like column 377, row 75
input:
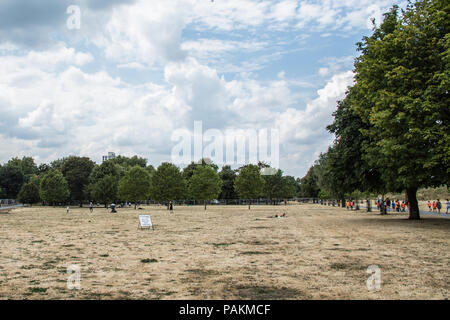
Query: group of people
column 396, row 205
column 436, row 206
column 349, row 204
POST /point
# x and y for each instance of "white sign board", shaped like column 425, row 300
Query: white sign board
column 145, row 221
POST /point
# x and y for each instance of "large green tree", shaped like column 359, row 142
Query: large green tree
column 401, row 94
column 274, row 186
column 76, row 170
column 105, row 189
column 29, row 193
column 249, row 183
column 205, row 184
column 309, row 187
column 54, row 188
column 104, row 181
column 289, row 187
column 167, row 183
column 26, row 165
column 228, row 176
column 344, row 167
column 11, row 180
column 135, row 185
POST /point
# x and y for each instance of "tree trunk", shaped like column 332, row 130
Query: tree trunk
column 249, row 203
column 414, row 213
column 135, row 205
column 205, row 204
column 343, row 203
column 81, row 203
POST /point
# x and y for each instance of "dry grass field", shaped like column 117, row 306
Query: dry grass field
column 317, row 252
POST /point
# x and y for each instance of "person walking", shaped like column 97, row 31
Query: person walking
column 67, row 209
column 434, row 206
column 91, row 207
column 429, row 205
column 448, row 206
column 438, row 205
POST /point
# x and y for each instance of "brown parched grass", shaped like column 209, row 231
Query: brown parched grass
column 317, row 252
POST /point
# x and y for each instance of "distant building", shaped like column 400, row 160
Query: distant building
column 111, row 155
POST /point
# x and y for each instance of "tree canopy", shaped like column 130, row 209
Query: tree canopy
column 205, row 184
column 168, row 183
column 249, row 183
column 135, row 185
column 77, row 170
column 54, row 188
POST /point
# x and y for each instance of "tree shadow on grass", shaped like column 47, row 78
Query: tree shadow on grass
column 434, row 223
column 254, row 292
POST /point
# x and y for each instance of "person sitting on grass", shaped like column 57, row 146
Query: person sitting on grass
column 278, row 216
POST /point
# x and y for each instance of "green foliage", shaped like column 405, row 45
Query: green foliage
column 76, row 170
column 58, row 164
column 29, row 193
column 205, row 184
column 309, row 187
column 274, row 186
column 127, row 163
column 392, row 127
column 135, row 185
column 151, row 170
column 249, row 184
column 167, row 183
column 105, row 189
column 227, row 175
column 54, row 188
column 43, row 168
column 403, row 76
column 11, row 180
column 26, row 165
column 189, row 170
column 107, row 168
column 289, row 187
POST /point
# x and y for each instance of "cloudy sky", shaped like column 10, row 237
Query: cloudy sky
column 135, row 71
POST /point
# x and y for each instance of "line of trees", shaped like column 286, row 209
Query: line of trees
column 392, row 128
column 79, row 179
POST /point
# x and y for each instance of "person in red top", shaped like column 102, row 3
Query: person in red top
column 347, row 204
column 351, row 204
column 429, row 205
column 403, row 206
column 434, row 206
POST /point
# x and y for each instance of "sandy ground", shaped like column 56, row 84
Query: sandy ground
column 317, row 252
